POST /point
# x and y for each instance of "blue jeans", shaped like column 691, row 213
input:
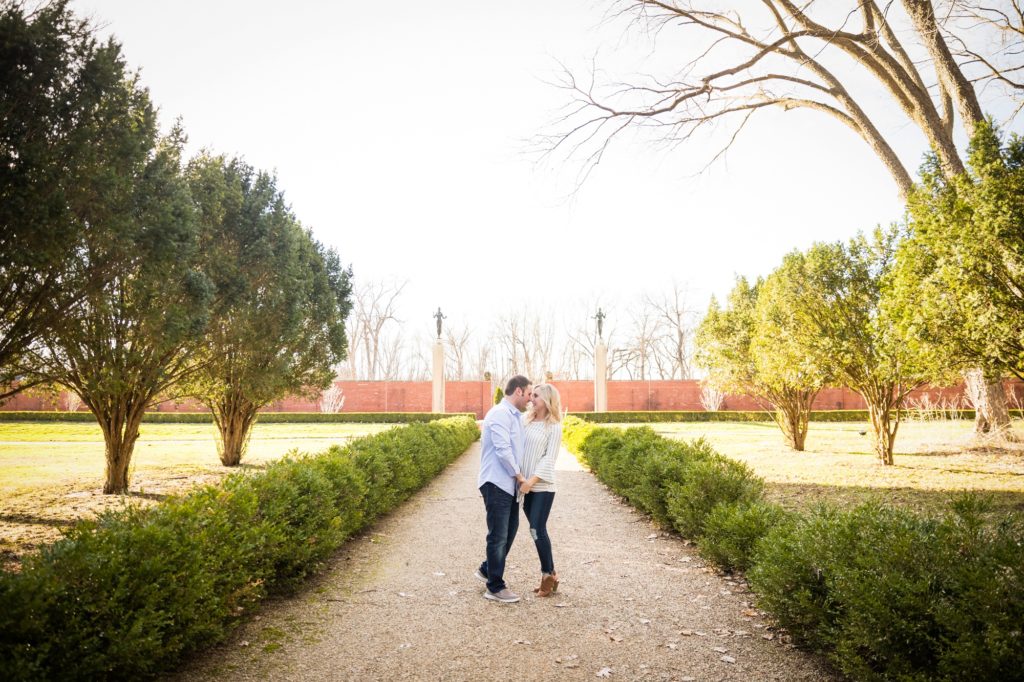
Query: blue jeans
column 502, row 524
column 537, row 507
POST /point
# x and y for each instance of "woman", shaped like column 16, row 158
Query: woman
column 543, row 432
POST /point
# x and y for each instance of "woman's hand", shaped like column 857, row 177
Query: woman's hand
column 525, row 487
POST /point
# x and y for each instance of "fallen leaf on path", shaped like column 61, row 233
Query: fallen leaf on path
column 561, row 606
column 652, row 536
column 603, row 672
column 686, row 633
column 770, row 636
column 244, row 642
column 720, row 649
column 521, row 641
column 727, row 659
column 672, row 646
column 645, row 621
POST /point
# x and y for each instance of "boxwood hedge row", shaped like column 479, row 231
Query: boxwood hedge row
column 884, row 593
column 128, row 594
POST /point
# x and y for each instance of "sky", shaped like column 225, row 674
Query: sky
column 399, row 133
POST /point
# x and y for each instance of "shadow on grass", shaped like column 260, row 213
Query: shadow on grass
column 142, row 495
column 803, row 496
column 33, row 520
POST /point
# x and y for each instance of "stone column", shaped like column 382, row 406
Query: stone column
column 601, row 377
column 437, row 394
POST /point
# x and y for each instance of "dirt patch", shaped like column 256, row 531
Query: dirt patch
column 39, row 517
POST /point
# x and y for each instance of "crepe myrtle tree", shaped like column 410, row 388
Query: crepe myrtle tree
column 278, row 326
column 130, row 341
column 855, row 62
column 745, row 351
column 829, row 301
column 74, row 130
column 958, row 289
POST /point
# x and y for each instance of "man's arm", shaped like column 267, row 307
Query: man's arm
column 501, row 438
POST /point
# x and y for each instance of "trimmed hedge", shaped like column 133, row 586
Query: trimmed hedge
column 264, row 417
column 889, row 594
column 128, row 594
column 678, row 483
column 740, row 416
column 883, row 592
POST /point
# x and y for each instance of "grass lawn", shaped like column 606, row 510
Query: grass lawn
column 51, row 473
column 933, row 460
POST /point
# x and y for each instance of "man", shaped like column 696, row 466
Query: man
column 501, row 454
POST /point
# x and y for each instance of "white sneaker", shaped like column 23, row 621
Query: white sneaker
column 505, row 596
column 479, row 576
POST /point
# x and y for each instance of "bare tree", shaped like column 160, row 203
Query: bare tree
column 811, row 55
column 712, row 398
column 524, row 340
column 581, row 339
column 637, row 355
column 482, row 358
column 457, row 352
column 420, row 360
column 372, row 349
column 332, row 399
column 986, row 41
column 677, row 323
column 394, row 356
column 72, row 401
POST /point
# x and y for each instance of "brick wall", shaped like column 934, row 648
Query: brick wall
column 577, row 396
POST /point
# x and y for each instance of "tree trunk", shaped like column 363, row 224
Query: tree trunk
column 120, row 425
column 792, row 414
column 991, row 414
column 884, row 431
column 234, row 415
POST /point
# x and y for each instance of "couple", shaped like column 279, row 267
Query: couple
column 517, row 462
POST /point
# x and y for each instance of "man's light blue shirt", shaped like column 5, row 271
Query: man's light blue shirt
column 503, row 442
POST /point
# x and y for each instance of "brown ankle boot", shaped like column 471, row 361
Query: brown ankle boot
column 554, row 587
column 547, row 584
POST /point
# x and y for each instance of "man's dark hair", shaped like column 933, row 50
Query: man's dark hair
column 518, row 381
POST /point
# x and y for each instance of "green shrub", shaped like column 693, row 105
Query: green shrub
column 126, row 595
column 665, row 465
column 710, row 481
column 889, row 594
column 732, row 531
column 499, row 395
column 676, row 482
column 884, row 592
column 574, row 433
column 616, row 456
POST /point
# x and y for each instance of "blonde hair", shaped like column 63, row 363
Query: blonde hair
column 549, row 394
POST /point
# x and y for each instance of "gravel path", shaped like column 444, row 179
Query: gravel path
column 400, row 602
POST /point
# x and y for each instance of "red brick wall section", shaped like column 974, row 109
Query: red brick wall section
column 468, row 396
column 577, row 396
